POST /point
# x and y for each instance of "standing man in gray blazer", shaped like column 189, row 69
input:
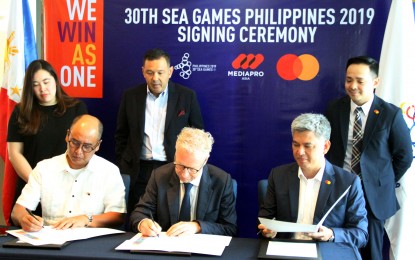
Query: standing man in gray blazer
column 150, row 117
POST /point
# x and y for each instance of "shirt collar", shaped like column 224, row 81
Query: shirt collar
column 319, row 175
column 162, row 94
column 65, row 164
column 365, row 107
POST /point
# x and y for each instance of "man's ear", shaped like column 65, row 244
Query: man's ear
column 97, row 148
column 376, row 82
column 171, row 71
column 327, row 145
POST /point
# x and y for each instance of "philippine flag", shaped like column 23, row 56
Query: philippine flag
column 20, row 51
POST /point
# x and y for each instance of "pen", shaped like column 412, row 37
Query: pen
column 152, row 219
column 31, row 214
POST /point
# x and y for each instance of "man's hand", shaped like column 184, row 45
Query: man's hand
column 184, row 229
column 266, row 232
column 31, row 224
column 72, row 222
column 323, row 234
column 149, row 228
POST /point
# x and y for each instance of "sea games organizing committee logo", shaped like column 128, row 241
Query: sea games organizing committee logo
column 186, row 67
column 245, row 66
column 304, row 67
column 408, row 111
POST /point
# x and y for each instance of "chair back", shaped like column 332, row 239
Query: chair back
column 262, row 191
column 126, row 180
column 235, row 187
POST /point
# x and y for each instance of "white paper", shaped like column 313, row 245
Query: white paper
column 332, row 207
column 48, row 235
column 292, row 249
column 283, row 226
column 197, row 243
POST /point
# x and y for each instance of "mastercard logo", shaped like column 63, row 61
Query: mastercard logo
column 304, row 67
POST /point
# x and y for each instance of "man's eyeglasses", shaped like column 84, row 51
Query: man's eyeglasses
column 73, row 143
column 190, row 170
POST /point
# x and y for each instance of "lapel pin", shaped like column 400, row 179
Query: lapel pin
column 328, row 182
column 181, row 113
column 376, row 111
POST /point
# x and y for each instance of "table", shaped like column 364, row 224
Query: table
column 103, row 248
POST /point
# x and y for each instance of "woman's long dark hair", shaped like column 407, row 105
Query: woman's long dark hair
column 30, row 116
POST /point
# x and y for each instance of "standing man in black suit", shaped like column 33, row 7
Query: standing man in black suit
column 385, row 153
column 150, row 117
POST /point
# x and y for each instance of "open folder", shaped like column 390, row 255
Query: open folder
column 17, row 243
column 186, row 245
column 48, row 236
column 283, row 226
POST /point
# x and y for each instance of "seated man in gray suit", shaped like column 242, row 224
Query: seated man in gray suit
column 304, row 191
column 187, row 196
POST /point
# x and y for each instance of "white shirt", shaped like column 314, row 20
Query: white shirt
column 155, row 121
column 365, row 107
column 307, row 199
column 64, row 192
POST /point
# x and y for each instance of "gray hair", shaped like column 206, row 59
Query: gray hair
column 195, row 141
column 316, row 123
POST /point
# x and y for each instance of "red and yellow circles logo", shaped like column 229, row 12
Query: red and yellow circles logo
column 304, row 67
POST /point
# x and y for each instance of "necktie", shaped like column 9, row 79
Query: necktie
column 357, row 142
column 185, row 208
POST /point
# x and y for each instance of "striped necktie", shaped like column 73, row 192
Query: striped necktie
column 357, row 142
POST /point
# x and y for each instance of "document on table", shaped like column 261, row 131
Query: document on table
column 197, row 243
column 283, row 226
column 292, row 249
column 48, row 235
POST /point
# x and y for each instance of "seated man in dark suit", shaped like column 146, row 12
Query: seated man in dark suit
column 304, row 191
column 208, row 205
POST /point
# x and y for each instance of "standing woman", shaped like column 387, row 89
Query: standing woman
column 38, row 124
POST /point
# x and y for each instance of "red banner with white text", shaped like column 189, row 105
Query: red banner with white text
column 73, row 40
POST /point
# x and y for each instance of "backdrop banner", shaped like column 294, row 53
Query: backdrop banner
column 255, row 65
column 74, row 44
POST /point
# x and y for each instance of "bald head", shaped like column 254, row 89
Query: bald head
column 87, row 124
column 84, row 139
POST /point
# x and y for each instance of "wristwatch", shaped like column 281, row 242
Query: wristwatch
column 331, row 239
column 89, row 216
